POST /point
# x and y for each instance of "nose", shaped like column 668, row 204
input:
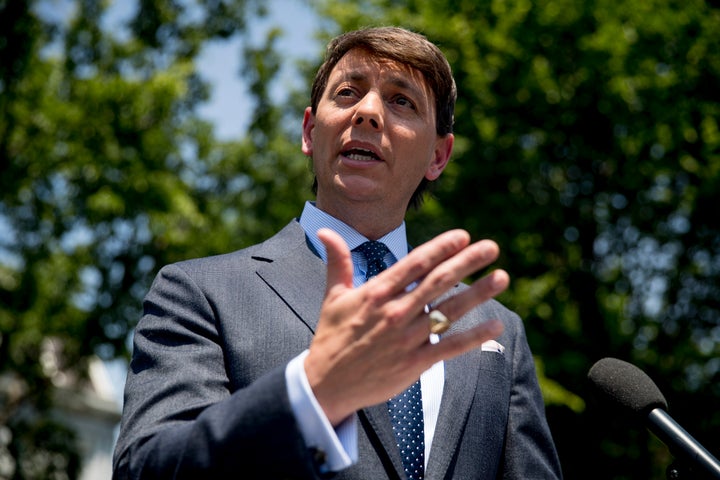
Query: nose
column 368, row 111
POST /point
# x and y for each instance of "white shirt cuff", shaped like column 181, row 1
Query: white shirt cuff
column 338, row 444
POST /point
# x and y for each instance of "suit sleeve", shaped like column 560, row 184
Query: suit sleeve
column 181, row 419
column 529, row 448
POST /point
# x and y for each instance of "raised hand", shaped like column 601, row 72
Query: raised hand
column 372, row 342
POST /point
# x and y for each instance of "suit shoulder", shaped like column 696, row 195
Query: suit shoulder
column 490, row 309
column 493, row 309
column 266, row 251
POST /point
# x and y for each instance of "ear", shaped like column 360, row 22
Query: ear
column 441, row 156
column 307, row 128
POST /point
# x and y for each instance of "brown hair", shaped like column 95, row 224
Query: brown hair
column 402, row 46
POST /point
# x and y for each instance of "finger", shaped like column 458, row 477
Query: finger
column 423, row 259
column 453, row 270
column 453, row 345
column 339, row 262
column 479, row 292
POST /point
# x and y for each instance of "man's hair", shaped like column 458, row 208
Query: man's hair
column 405, row 47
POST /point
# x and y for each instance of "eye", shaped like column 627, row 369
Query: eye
column 403, row 101
column 345, row 95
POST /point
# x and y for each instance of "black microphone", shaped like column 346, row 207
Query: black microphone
column 628, row 387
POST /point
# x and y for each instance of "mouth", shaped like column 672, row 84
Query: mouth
column 361, row 155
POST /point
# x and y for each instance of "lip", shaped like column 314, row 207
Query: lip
column 363, row 154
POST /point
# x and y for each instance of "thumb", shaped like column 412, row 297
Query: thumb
column 339, row 263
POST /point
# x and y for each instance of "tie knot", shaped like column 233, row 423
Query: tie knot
column 374, row 252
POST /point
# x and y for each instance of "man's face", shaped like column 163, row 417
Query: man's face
column 373, row 138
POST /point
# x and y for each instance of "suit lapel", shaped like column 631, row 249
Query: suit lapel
column 290, row 267
column 461, row 377
column 376, row 422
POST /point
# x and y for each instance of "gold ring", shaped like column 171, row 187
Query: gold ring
column 439, row 323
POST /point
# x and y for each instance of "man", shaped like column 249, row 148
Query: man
column 278, row 361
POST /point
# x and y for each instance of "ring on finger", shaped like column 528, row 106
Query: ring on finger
column 439, row 323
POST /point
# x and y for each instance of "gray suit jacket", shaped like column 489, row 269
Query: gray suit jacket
column 206, row 396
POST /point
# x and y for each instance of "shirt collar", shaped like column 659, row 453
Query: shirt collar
column 313, row 219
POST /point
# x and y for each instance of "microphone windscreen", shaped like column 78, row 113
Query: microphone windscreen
column 626, row 386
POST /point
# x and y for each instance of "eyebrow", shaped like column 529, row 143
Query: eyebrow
column 396, row 80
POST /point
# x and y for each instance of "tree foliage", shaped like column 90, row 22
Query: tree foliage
column 588, row 147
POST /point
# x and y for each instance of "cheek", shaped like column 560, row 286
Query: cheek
column 419, row 147
column 320, row 135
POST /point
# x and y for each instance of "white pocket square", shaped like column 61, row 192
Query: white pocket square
column 492, row 346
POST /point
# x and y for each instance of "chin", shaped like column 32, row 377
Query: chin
column 357, row 186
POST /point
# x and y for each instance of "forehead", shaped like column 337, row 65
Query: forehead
column 359, row 64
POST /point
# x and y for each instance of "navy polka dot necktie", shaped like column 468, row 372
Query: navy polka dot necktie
column 375, row 255
column 407, row 419
column 405, row 409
